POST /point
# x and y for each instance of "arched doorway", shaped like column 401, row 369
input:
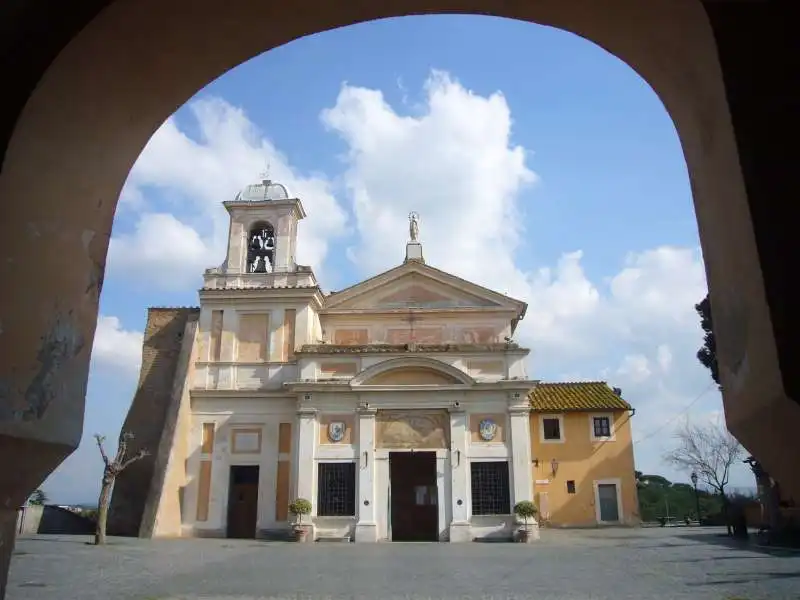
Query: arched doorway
column 88, row 108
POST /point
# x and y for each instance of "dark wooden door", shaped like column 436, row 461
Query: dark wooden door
column 243, row 502
column 414, row 497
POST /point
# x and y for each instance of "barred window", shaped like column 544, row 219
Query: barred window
column 337, row 490
column 490, row 488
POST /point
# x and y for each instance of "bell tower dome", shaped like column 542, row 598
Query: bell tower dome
column 263, row 229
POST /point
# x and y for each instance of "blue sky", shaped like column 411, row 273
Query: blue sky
column 541, row 165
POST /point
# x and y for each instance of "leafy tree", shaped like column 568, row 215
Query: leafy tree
column 707, row 354
column 659, row 496
column 38, row 498
column 112, row 468
column 657, row 480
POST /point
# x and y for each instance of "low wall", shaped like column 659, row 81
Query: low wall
column 50, row 519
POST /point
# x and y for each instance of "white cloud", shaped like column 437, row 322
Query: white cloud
column 116, row 347
column 454, row 161
column 193, row 177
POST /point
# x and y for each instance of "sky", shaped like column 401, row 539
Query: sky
column 541, row 166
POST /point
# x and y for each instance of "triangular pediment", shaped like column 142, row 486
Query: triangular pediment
column 416, row 285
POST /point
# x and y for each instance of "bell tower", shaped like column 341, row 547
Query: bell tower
column 263, row 229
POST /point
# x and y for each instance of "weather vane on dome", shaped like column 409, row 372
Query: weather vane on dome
column 265, row 172
column 413, row 226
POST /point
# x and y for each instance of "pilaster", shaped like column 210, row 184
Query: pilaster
column 366, row 527
column 519, row 413
column 306, row 446
column 460, row 530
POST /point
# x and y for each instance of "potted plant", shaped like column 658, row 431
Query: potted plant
column 525, row 510
column 298, row 508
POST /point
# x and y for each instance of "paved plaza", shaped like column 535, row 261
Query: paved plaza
column 638, row 564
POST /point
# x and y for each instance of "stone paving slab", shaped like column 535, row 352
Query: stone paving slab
column 641, row 564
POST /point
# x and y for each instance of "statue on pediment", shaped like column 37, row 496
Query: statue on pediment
column 413, row 226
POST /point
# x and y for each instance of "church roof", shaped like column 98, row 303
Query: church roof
column 576, row 396
column 265, row 190
column 447, row 284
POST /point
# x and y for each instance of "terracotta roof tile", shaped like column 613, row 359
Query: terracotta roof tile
column 578, row 395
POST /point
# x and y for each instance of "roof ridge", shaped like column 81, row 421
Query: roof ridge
column 584, row 382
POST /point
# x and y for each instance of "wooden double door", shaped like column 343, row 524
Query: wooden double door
column 413, row 497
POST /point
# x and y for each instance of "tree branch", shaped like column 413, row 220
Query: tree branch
column 708, row 450
column 100, row 439
column 139, row 456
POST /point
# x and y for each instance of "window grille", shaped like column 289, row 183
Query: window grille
column 490, row 488
column 337, row 490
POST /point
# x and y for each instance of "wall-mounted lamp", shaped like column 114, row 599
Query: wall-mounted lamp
column 554, row 466
column 536, row 462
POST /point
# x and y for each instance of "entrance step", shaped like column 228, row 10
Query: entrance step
column 330, row 538
column 276, row 535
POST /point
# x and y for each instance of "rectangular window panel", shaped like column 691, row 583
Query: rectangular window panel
column 490, row 488
column 571, row 486
column 602, row 427
column 289, row 317
column 552, row 429
column 216, row 335
column 253, row 337
column 337, row 490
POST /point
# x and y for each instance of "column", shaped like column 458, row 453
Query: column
column 366, row 527
column 460, row 530
column 521, row 468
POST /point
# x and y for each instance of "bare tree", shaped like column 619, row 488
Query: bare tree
column 709, row 450
column 111, row 469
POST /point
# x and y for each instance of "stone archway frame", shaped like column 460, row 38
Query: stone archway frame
column 368, row 375
column 137, row 61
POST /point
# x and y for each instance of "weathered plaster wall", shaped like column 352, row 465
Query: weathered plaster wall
column 148, row 414
column 163, row 511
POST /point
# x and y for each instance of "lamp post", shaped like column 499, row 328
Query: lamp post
column 696, row 496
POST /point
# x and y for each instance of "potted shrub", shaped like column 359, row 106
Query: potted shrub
column 525, row 510
column 298, row 508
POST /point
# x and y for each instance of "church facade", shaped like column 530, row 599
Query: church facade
column 399, row 407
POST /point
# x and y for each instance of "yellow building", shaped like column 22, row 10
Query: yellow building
column 583, row 465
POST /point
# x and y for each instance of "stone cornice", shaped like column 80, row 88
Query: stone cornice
column 291, row 205
column 520, row 385
column 457, row 310
column 507, row 348
column 209, row 296
column 241, row 394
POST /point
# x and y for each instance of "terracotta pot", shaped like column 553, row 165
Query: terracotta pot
column 300, row 534
column 523, row 535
